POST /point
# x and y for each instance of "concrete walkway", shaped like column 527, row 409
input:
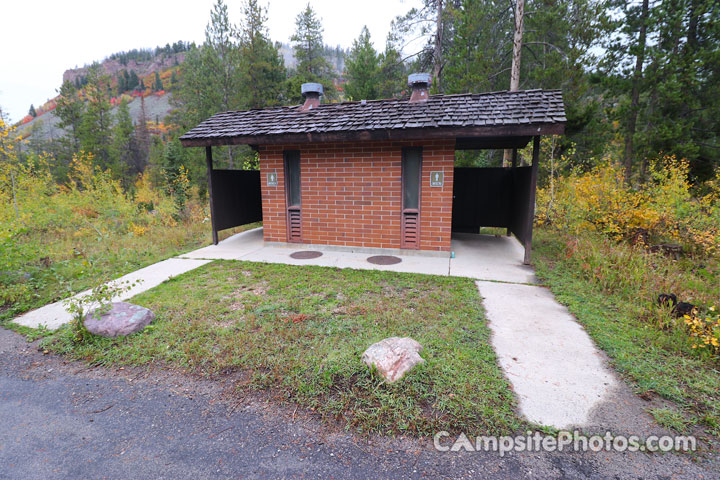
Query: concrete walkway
column 553, row 366
column 555, row 369
column 54, row 315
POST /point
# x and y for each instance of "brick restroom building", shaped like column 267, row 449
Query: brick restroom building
column 380, row 175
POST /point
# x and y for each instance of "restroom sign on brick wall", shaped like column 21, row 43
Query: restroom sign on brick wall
column 437, row 179
column 272, row 179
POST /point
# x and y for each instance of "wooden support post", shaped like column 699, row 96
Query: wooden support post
column 531, row 200
column 514, row 165
column 208, row 161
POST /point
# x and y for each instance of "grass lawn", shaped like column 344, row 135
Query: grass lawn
column 41, row 266
column 612, row 290
column 298, row 333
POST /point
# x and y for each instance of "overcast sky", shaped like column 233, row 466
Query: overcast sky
column 42, row 38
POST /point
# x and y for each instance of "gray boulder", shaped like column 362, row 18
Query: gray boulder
column 393, row 357
column 122, row 319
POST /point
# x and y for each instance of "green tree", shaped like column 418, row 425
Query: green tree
column 262, row 69
column 124, row 148
column 393, row 71
column 133, row 82
column 308, row 44
column 308, row 47
column 626, row 51
column 122, row 82
column 173, row 80
column 157, row 84
column 70, row 109
column 662, row 69
column 211, row 77
column 682, row 80
column 96, row 124
column 32, row 111
column 211, row 80
column 142, row 139
column 363, row 69
column 557, row 53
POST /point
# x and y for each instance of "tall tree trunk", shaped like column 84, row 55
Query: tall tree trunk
column 515, row 69
column 635, row 94
column 437, row 54
column 517, row 45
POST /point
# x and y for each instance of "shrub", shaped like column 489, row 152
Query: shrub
column 65, row 238
column 662, row 210
column 705, row 330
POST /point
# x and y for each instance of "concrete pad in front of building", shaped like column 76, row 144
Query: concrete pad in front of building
column 490, row 257
column 348, row 259
column 232, row 248
column 54, row 315
column 555, row 369
column 482, row 257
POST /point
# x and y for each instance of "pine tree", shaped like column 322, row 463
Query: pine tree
column 211, row 80
column 70, row 109
column 308, row 47
column 96, row 125
column 262, row 71
column 211, row 75
column 679, row 89
column 308, row 44
column 133, row 81
column 123, row 143
column 363, row 69
column 142, row 138
column 393, row 71
column 32, row 111
column 627, row 52
column 121, row 82
column 558, row 43
column 157, row 84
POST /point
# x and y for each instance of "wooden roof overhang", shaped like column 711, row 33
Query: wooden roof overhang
column 475, row 121
column 515, row 136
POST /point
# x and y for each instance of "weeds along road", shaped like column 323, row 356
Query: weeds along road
column 63, row 419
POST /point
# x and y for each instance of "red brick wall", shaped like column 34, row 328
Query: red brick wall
column 351, row 193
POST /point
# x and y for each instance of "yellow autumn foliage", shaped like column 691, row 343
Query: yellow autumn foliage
column 663, row 210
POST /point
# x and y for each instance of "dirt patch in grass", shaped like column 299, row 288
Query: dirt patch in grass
column 301, row 339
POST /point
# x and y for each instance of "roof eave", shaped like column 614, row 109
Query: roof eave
column 557, row 128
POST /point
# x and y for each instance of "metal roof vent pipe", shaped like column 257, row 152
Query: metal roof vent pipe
column 311, row 92
column 420, row 83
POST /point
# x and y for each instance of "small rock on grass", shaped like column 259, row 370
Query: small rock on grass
column 122, row 319
column 393, row 357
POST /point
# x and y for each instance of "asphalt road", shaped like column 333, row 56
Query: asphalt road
column 65, row 420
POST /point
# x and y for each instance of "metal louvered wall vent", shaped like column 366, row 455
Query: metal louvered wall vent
column 294, row 225
column 411, row 227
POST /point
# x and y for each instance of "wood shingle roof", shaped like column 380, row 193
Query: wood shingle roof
column 495, row 114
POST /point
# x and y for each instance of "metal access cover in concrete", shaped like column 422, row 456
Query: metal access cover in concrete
column 306, row 255
column 384, row 260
